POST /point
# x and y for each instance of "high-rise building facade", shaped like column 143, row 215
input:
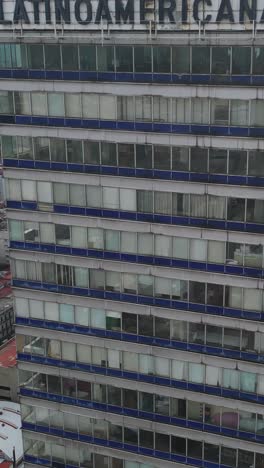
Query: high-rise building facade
column 132, row 137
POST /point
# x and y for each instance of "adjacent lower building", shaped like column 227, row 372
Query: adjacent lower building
column 133, row 157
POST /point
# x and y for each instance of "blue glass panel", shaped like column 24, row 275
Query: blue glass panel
column 26, row 120
column 20, row 74
column 88, row 76
column 143, row 77
column 6, row 73
column 108, row 124
column 11, row 162
column 195, row 177
column 36, row 74
column 36, row 120
column 162, row 127
column 10, row 119
column 26, row 164
column 42, row 165
column 53, row 75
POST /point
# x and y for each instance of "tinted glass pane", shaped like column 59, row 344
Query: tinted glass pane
column 180, row 159
column 105, row 58
column 217, row 161
column 35, row 56
column 161, row 60
column 87, row 57
column 256, row 163
column 199, row 157
column 258, row 61
column 52, row 57
column 142, row 58
column 201, row 59
column 181, row 59
column 221, row 60
column 162, row 157
column 144, row 156
column 237, row 162
column 108, row 154
column 236, row 209
column 241, row 57
column 124, row 59
column 126, row 155
column 69, row 57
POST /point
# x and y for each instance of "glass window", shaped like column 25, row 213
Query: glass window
column 97, row 279
column 93, row 197
column 79, row 237
column 108, row 154
column 258, row 61
column 145, row 325
column 95, row 238
column 114, row 395
column 87, row 57
column 35, row 56
column 111, row 198
column 62, row 234
column 255, row 211
column 105, row 58
column 24, row 147
column 74, row 151
column 9, row 146
column 129, row 323
column 178, row 445
column 201, row 59
column 161, row 59
column 52, row 57
column 90, row 106
column 196, row 292
column 217, row 161
column 214, row 336
column 215, row 294
column 181, row 60
column 237, row 162
column 41, row 148
column 241, row 60
column 162, row 202
column 200, row 111
column 112, row 240
column 6, row 103
column 162, row 157
column 144, row 156
column 199, row 159
column 257, row 110
column 73, row 107
column 130, row 398
column 236, row 209
column 77, row 195
column 162, row 328
column 196, row 333
column 221, row 60
column 126, row 155
column 146, row 439
column 69, row 57
column 228, row 456
column 56, row 104
column 239, row 112
column 39, row 104
column 256, row 163
column 198, row 206
column 91, row 152
column 22, row 103
column 162, row 442
column 128, row 242
column 220, row 111
column 195, row 448
column 144, row 201
column 60, row 192
column 145, row 285
column 180, row 159
column 145, row 244
column 142, row 59
column 124, row 59
column 57, row 150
